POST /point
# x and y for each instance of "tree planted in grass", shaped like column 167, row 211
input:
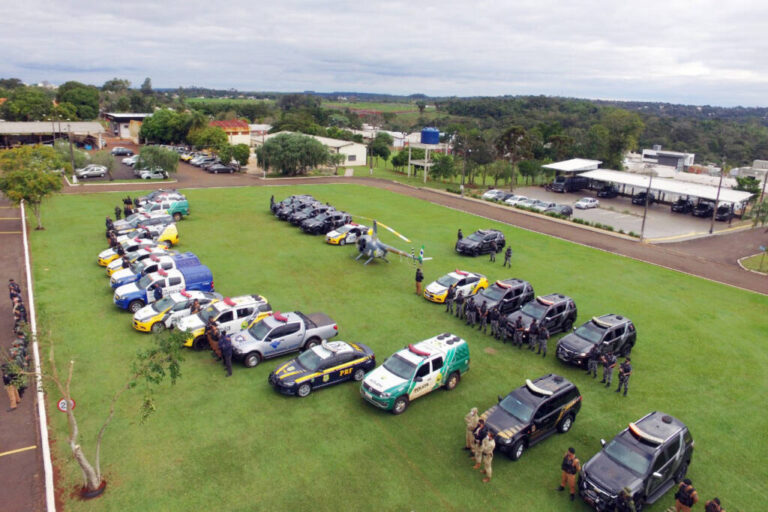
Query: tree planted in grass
column 514, row 145
column 27, row 175
column 153, row 157
column 443, row 166
column 293, row 154
column 379, row 146
column 149, row 368
column 105, row 158
column 207, row 137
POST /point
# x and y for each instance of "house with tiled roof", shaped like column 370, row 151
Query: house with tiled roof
column 238, row 131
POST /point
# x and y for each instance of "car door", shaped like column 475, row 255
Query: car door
column 543, row 421
column 553, row 316
column 151, row 292
column 175, row 284
column 424, row 379
column 225, row 321
column 338, row 374
column 470, row 283
column 289, row 338
column 509, row 301
column 662, row 467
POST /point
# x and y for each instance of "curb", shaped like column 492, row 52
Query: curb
column 749, row 269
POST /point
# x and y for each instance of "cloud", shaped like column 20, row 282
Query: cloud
column 703, row 52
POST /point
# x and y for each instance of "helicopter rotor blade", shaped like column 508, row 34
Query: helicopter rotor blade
column 402, row 237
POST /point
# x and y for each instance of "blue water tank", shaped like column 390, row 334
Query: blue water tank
column 430, row 136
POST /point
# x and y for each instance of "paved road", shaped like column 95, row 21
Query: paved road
column 21, row 465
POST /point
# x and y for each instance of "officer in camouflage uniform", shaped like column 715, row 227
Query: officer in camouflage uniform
column 493, row 317
column 487, row 447
column 593, row 361
column 609, row 363
column 449, row 299
column 471, row 424
column 625, row 370
column 459, row 300
column 482, row 315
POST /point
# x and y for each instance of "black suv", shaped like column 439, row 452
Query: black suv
column 298, row 217
column 568, row 184
column 289, row 203
column 724, row 212
column 703, row 209
column 325, row 222
column 608, row 191
column 509, row 295
column 285, row 212
column 682, row 206
column 556, row 312
column 640, row 198
column 609, row 332
column 649, row 457
column 479, row 242
column 533, row 412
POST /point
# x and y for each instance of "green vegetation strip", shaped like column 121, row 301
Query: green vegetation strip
column 700, row 356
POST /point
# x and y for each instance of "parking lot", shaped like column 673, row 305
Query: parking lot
column 661, row 224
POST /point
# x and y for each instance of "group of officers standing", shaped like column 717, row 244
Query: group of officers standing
column 16, row 363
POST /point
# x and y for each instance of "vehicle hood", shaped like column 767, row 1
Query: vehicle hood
column 332, row 234
column 190, row 323
column 126, row 289
column 575, row 343
column 501, row 423
column 288, row 373
column 242, row 338
column 489, row 303
column 106, row 253
column 383, row 380
column 466, row 243
column 313, row 221
column 116, row 265
column 436, row 288
column 123, row 273
column 512, row 318
column 610, row 476
column 145, row 314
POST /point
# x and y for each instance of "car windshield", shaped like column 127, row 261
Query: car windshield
column 475, row 237
column 144, row 282
column 322, row 217
column 623, row 454
column 162, row 304
column 560, row 179
column 447, row 280
column 535, row 309
column 207, row 313
column 590, row 332
column 517, row 408
column 400, row 367
column 494, row 292
column 259, row 330
column 310, row 360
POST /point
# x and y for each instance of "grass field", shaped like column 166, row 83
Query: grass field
column 219, row 443
column 757, row 262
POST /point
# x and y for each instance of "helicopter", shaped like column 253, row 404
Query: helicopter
column 371, row 247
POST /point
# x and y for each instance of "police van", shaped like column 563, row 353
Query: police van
column 415, row 371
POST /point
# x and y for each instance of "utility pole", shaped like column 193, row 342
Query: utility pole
column 71, row 151
column 645, row 209
column 717, row 198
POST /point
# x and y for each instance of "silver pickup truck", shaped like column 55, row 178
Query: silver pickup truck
column 281, row 333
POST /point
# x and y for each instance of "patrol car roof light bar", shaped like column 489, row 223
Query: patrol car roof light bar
column 644, row 435
column 185, row 293
column 544, row 301
column 461, row 272
column 536, row 389
column 162, row 273
column 228, row 301
column 417, row 351
column 280, row 317
column 327, row 346
column 503, row 285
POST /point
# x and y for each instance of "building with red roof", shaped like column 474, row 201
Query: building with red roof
column 238, row 132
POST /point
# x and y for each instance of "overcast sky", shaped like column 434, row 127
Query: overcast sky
column 693, row 52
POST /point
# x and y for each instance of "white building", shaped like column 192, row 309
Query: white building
column 354, row 152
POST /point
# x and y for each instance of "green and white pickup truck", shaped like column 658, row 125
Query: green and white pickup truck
column 415, row 371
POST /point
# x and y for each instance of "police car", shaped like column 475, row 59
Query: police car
column 141, row 254
column 107, row 256
column 469, row 283
column 415, row 371
column 323, row 365
column 533, row 412
column 167, row 234
column 648, row 457
column 229, row 315
column 346, row 234
column 608, row 332
column 556, row 312
column 161, row 315
column 508, row 295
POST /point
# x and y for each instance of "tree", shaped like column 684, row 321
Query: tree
column 151, row 157
column 85, row 98
column 400, row 159
column 443, row 166
column 27, row 104
column 207, row 137
column 105, row 158
column 514, row 145
column 146, row 87
column 10, row 83
column 623, row 130
column 149, row 367
column 747, row 184
column 166, row 127
column 499, row 170
column 116, row 85
column 241, row 153
column 292, row 154
column 81, row 158
column 379, row 146
column 529, row 169
column 27, row 175
column 62, row 111
column 421, row 106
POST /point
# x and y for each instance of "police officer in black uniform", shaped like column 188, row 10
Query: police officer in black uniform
column 625, row 370
column 493, row 319
column 459, row 303
column 158, row 292
column 533, row 335
column 518, row 332
column 494, row 250
column 470, row 311
column 502, row 333
column 508, row 258
column 118, row 212
column 449, row 299
column 482, row 316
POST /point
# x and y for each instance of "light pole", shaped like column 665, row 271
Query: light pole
column 464, row 170
column 717, row 198
column 645, row 209
column 71, row 151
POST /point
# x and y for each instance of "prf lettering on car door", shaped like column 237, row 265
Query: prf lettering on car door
column 344, row 372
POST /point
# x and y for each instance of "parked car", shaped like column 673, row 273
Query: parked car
column 346, row 234
column 682, row 206
column 91, row 171
column 134, row 296
column 514, row 199
column 468, row 283
column 608, row 191
column 130, row 160
column 118, row 151
column 542, row 206
column 724, row 212
column 138, row 170
column 569, row 183
column 639, row 198
column 586, row 203
column 480, row 242
column 153, row 174
column 527, row 203
column 218, row 168
column 492, row 195
column 648, row 458
column 555, row 311
column 508, row 295
column 608, row 332
column 561, row 209
column 231, row 315
column 533, row 412
column 703, row 209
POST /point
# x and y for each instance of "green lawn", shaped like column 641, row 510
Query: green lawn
column 219, row 443
column 758, row 262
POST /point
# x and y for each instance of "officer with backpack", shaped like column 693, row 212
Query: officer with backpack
column 508, row 258
column 609, row 363
column 713, row 505
column 625, row 370
column 686, row 496
column 570, row 467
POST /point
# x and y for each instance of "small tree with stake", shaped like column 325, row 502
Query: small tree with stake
column 150, row 367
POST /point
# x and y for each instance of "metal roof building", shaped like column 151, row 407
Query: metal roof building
column 573, row 165
column 13, row 133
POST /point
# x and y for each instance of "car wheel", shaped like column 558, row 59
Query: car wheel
column 517, row 450
column 231, row 171
column 167, row 244
column 452, row 382
column 680, row 473
column 135, row 305
column 567, row 325
column 304, row 390
column 312, row 342
column 252, row 360
column 627, row 349
column 359, row 375
column 177, row 216
column 343, row 241
column 157, row 327
column 201, row 343
column 565, row 424
column 401, row 404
